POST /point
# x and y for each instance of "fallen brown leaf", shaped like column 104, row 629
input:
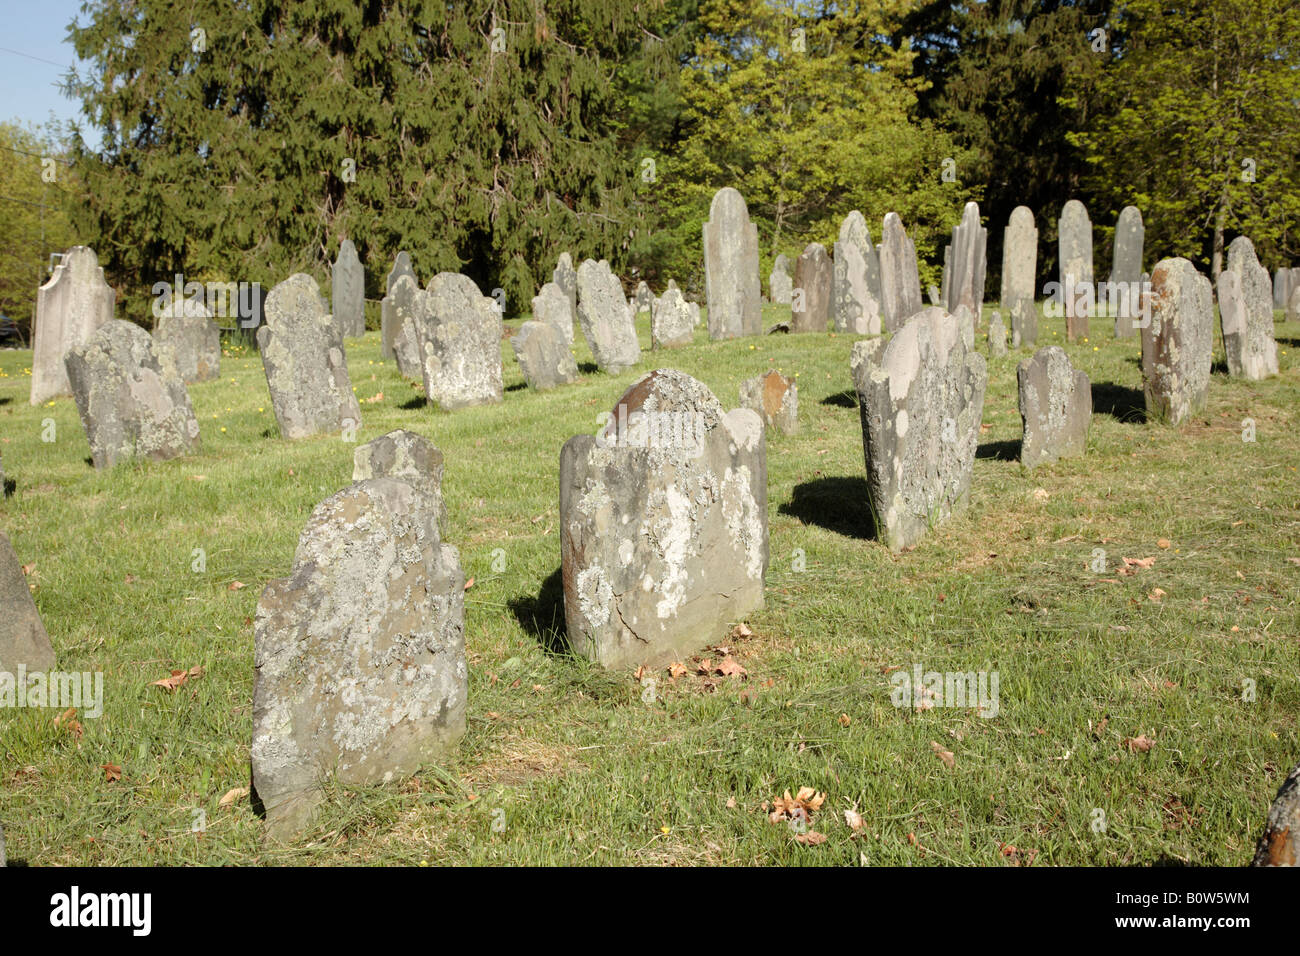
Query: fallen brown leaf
column 1140, row 744
column 944, row 755
column 811, row 838
column 111, row 772
column 232, row 795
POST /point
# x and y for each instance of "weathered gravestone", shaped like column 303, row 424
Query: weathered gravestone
column 1279, row 845
column 1126, row 270
column 663, row 523
column 387, row 318
column 812, row 290
column 900, row 283
column 1177, row 342
column 1246, row 313
column 1074, row 244
column 130, row 404
column 673, row 322
column 566, row 277
column 188, row 341
column 997, row 336
column 731, row 268
column 775, row 398
column 1055, row 407
column 965, row 263
column 856, row 287
column 921, row 395
column 1285, row 281
column 605, row 320
column 348, row 292
column 408, row 457
column 780, row 285
column 306, row 368
column 69, row 307
column 544, row 359
column 643, row 299
column 1019, row 269
column 360, row 652
column 407, row 307
column 23, row 641
column 459, row 332
column 1293, row 306
column 552, row 306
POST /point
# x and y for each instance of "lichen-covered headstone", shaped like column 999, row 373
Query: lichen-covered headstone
column 544, row 359
column 387, row 318
column 1126, row 270
column 459, row 332
column 643, row 299
column 69, row 308
column 360, row 652
column 921, row 395
column 813, row 284
column 1279, row 845
column 780, row 284
column 606, row 322
column 1074, row 244
column 566, row 277
column 1019, row 267
column 966, row 263
column 1055, row 407
column 1177, row 342
column 775, row 398
column 348, row 292
column 731, row 268
column 1246, row 314
column 856, row 287
column 997, row 336
column 900, row 282
column 552, row 306
column 23, row 640
column 130, row 404
column 189, row 341
column 672, row 323
column 408, row 457
column 663, row 523
column 306, row 367
column 406, row 307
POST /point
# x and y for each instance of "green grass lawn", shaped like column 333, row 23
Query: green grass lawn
column 564, row 763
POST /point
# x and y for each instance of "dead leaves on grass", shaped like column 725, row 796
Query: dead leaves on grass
column 178, row 678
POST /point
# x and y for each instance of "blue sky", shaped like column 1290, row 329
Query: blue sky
column 34, row 56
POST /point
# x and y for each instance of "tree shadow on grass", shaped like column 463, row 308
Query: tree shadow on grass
column 836, row 504
column 414, row 403
column 845, row 399
column 1119, row 401
column 1008, row 450
column 1288, row 342
column 519, row 387
column 543, row 616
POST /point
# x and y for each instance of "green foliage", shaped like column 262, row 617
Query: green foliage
column 36, row 190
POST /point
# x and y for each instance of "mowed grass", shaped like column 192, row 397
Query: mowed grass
column 564, row 763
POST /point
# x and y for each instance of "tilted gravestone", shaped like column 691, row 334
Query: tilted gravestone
column 663, row 523
column 459, row 332
column 69, row 307
column 672, row 323
column 775, row 398
column 387, row 319
column 131, row 406
column 1019, row 269
column 900, row 283
column 606, row 322
column 1279, row 845
column 408, row 457
column 966, row 263
column 23, row 641
column 813, row 281
column 856, row 288
column 780, row 284
column 1177, row 342
column 544, row 359
column 348, row 292
column 306, row 367
column 359, row 653
column 552, row 306
column 566, row 277
column 921, row 395
column 1074, row 244
column 1126, row 270
column 1055, row 407
column 731, row 268
column 188, row 341
column 1246, row 314
column 406, row 307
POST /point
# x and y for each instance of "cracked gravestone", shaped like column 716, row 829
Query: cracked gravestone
column 1177, row 342
column 544, row 359
column 459, row 333
column 605, row 318
column 1055, row 407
